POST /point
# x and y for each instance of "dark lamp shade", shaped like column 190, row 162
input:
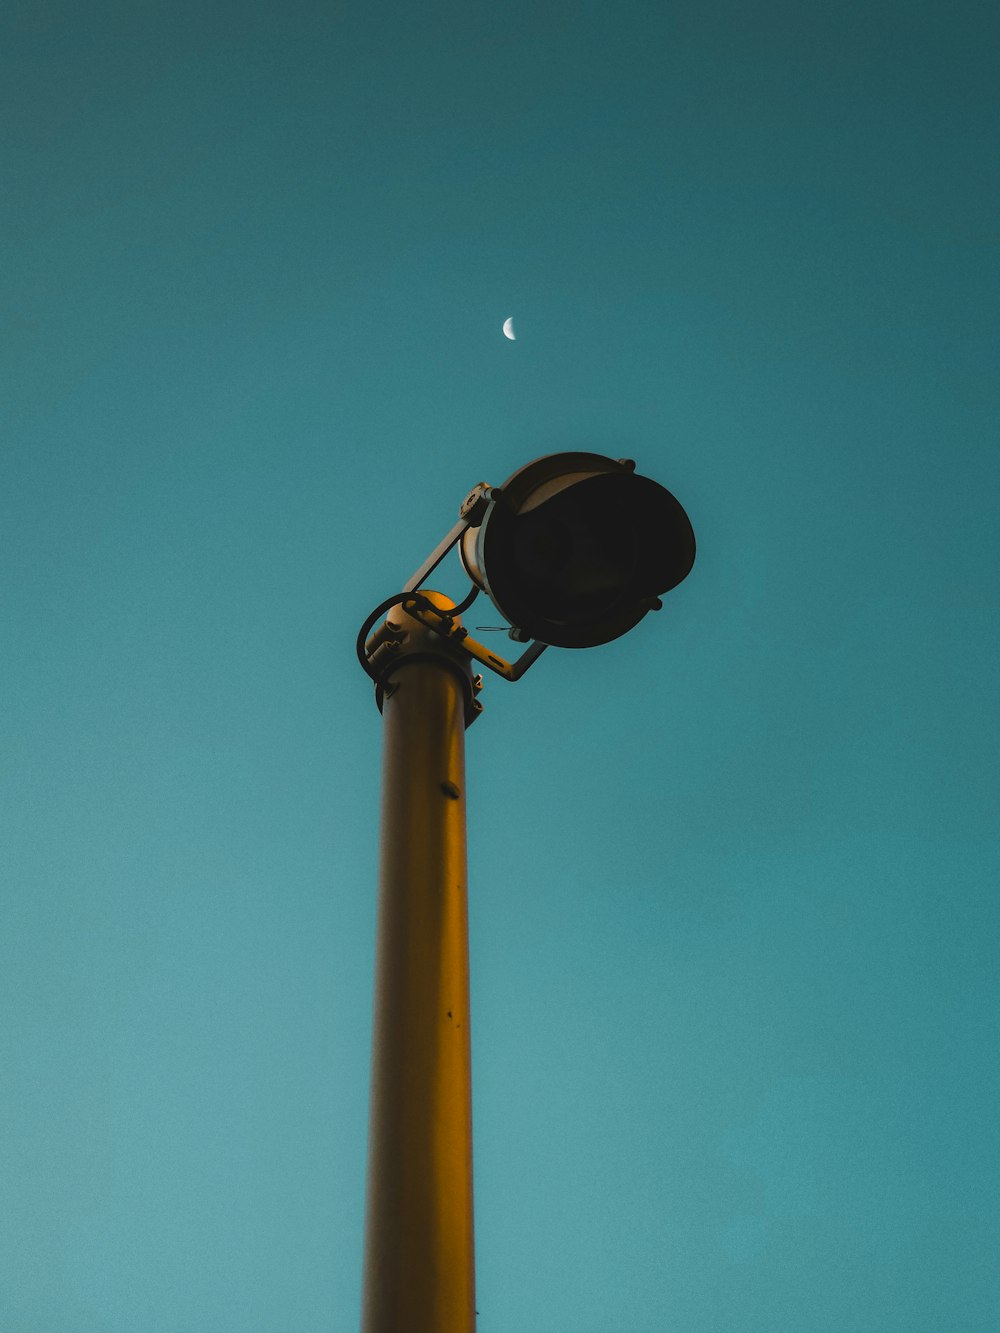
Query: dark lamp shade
column 577, row 549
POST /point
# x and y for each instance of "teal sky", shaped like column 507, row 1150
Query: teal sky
column 733, row 877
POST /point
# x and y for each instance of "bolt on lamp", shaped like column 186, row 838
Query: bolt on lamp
column 573, row 550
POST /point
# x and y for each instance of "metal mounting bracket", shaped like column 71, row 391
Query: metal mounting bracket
column 471, row 513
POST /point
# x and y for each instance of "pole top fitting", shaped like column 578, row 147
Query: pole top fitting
column 421, row 627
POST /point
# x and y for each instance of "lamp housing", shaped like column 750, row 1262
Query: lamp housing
column 575, row 548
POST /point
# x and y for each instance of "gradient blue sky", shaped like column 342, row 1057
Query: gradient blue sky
column 733, row 877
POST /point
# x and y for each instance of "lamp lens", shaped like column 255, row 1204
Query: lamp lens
column 576, row 554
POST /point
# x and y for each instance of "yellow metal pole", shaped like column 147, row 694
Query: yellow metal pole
column 419, row 1271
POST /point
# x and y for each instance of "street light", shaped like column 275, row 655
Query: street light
column 573, row 550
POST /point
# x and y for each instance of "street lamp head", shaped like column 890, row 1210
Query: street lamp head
column 576, row 548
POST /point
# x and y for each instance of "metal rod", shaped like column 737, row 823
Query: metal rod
column 436, row 556
column 419, row 1264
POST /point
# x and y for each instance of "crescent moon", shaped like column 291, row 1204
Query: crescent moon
column 508, row 329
